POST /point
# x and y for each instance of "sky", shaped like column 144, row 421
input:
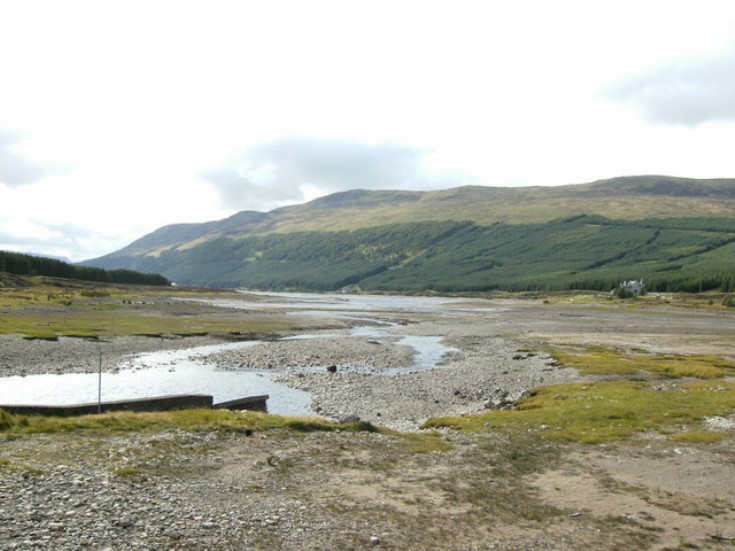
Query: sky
column 120, row 117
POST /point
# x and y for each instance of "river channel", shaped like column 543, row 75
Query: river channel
column 186, row 371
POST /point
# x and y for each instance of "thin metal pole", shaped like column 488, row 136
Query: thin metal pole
column 99, row 387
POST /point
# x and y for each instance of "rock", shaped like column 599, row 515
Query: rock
column 125, row 523
column 522, row 395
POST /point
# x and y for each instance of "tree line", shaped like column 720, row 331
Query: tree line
column 581, row 252
column 26, row 264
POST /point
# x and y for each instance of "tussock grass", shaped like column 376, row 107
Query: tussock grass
column 6, row 420
column 423, row 442
column 605, row 411
column 196, row 420
column 700, row 436
column 130, row 473
column 598, row 360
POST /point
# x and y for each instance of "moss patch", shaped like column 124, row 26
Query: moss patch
column 605, row 411
column 597, row 360
column 196, row 420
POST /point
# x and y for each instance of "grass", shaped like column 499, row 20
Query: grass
column 699, row 436
column 598, row 360
column 427, row 442
column 42, row 310
column 606, row 411
column 130, row 473
column 6, row 420
column 196, row 420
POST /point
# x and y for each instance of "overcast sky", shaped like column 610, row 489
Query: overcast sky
column 119, row 117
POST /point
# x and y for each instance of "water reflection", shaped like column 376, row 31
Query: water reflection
column 156, row 374
column 186, row 372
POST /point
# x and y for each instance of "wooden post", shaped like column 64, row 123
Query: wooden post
column 99, row 386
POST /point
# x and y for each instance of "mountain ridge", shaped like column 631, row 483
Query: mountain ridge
column 664, row 227
column 359, row 208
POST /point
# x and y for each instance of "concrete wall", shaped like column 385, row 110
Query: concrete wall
column 161, row 403
column 251, row 403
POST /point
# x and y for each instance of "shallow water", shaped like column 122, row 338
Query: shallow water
column 184, row 372
column 156, row 374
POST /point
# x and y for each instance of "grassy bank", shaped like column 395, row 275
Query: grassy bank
column 47, row 308
column 672, row 395
column 195, row 420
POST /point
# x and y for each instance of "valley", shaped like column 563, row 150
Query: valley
column 559, row 421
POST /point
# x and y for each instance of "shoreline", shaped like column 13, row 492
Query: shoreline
column 20, row 356
column 500, row 354
column 344, row 374
column 265, row 489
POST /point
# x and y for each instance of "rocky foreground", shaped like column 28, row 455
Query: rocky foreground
column 352, row 491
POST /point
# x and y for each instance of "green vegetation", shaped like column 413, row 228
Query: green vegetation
column 25, row 264
column 196, row 420
column 629, row 198
column 6, row 420
column 598, row 360
column 617, row 409
column 605, row 411
column 581, row 252
column 676, row 233
column 699, row 436
column 127, row 320
column 43, row 308
column 426, row 442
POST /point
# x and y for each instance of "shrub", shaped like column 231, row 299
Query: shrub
column 623, row 293
column 6, row 420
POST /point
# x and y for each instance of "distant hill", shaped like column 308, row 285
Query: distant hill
column 675, row 231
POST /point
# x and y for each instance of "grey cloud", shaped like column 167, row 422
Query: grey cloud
column 273, row 173
column 14, row 169
column 687, row 94
column 63, row 242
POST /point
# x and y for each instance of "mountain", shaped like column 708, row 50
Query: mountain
column 676, row 231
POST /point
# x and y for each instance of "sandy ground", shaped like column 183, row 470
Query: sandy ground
column 337, row 491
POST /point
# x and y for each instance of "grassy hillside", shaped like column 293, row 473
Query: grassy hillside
column 677, row 233
column 632, row 198
column 590, row 252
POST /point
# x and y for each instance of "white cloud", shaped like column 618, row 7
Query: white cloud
column 137, row 100
column 295, row 169
column 689, row 93
column 15, row 169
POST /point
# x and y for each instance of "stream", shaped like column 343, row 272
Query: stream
column 183, row 371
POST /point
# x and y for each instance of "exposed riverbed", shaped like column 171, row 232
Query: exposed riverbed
column 392, row 360
column 229, row 370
